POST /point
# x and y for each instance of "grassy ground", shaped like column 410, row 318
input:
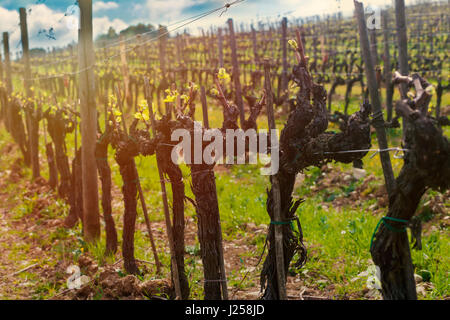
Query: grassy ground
column 338, row 217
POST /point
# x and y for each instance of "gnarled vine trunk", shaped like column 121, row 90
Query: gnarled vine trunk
column 104, row 171
column 52, row 169
column 126, row 150
column 426, row 165
column 304, row 143
column 175, row 175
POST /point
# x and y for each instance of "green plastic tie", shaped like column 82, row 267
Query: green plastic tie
column 281, row 223
column 388, row 226
column 132, row 139
column 135, row 181
column 101, row 138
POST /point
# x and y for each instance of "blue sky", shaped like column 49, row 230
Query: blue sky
column 46, row 14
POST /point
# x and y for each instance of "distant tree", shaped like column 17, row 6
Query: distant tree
column 128, row 32
column 163, row 31
column 37, row 52
column 138, row 29
column 110, row 35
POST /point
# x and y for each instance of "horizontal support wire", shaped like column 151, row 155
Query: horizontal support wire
column 370, row 150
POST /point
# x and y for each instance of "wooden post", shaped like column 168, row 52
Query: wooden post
column 236, row 74
column 315, row 46
column 219, row 234
column 255, row 47
column 4, row 108
column 400, row 20
column 205, row 46
column 33, row 131
column 162, row 50
column 373, row 46
column 387, row 67
column 25, row 50
column 147, row 55
column 418, row 40
column 212, row 47
column 176, row 276
column 281, row 277
column 402, row 40
column 223, row 274
column 9, row 86
column 178, row 49
column 88, row 124
column 78, row 76
column 71, row 87
column 378, row 121
column 1, row 68
column 220, row 44
column 284, row 74
column 204, row 107
column 125, row 73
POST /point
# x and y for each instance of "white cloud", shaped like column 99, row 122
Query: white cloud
column 42, row 17
column 169, row 11
column 9, row 20
column 306, row 8
column 9, row 23
column 102, row 24
column 38, row 19
column 161, row 10
column 102, row 6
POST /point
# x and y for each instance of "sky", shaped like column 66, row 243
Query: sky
column 56, row 15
